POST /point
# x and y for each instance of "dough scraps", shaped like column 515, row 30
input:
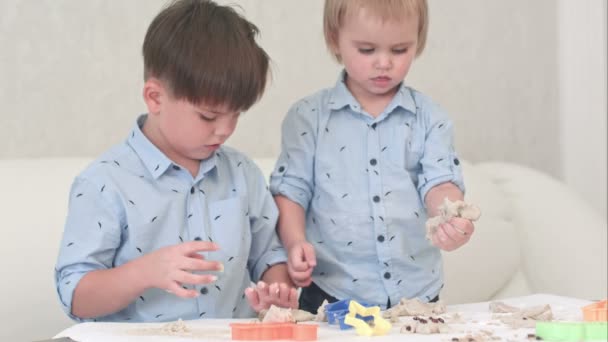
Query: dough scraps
column 282, row 315
column 425, row 325
column 413, row 307
column 521, row 318
column 447, row 211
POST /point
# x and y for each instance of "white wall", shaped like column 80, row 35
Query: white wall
column 524, row 80
column 582, row 100
column 71, row 74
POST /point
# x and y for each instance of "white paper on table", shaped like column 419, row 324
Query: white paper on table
column 214, row 330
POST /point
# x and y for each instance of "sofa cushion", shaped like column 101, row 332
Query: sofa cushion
column 482, row 267
column 34, row 198
column 559, row 233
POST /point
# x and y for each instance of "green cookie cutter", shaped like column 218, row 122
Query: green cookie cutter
column 572, row 331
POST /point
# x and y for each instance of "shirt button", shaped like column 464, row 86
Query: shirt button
column 376, row 198
column 282, row 168
column 204, row 290
column 192, row 190
column 374, row 125
column 198, row 238
column 373, row 161
column 387, row 275
column 176, row 168
column 380, row 238
column 456, row 161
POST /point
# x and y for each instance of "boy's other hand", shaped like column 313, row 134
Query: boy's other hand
column 171, row 267
column 453, row 234
column 262, row 296
column 301, row 262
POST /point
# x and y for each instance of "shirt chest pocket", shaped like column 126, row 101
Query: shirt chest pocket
column 407, row 148
column 229, row 223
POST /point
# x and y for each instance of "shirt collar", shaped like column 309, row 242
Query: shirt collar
column 154, row 159
column 342, row 97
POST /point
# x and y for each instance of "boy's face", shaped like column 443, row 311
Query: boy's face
column 187, row 133
column 376, row 54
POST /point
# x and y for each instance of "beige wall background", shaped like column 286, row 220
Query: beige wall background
column 507, row 71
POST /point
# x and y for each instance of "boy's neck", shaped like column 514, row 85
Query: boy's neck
column 372, row 104
column 375, row 105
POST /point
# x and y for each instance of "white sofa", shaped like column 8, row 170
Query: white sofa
column 534, row 236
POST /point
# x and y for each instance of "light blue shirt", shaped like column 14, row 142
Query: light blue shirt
column 134, row 200
column 362, row 181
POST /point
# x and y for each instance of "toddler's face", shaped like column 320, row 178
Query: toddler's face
column 376, row 54
column 193, row 132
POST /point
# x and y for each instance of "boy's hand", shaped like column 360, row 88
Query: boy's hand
column 262, row 296
column 453, row 234
column 170, row 267
column 301, row 261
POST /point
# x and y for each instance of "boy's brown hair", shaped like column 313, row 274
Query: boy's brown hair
column 206, row 53
column 336, row 10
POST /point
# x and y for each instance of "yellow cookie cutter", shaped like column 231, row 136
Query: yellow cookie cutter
column 379, row 326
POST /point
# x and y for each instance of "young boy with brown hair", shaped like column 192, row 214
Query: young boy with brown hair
column 171, row 224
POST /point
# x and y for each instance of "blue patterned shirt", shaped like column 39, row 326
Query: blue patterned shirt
column 134, row 200
column 362, row 181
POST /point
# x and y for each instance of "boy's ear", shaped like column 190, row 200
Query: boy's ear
column 332, row 44
column 153, row 92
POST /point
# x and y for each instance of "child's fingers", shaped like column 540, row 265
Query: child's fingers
column 262, row 290
column 309, row 255
column 179, row 291
column 443, row 236
column 302, row 278
column 193, row 264
column 441, row 241
column 194, row 279
column 274, row 293
column 253, row 298
column 190, row 247
column 296, row 260
column 196, row 256
column 464, row 226
column 293, row 298
column 454, row 233
column 284, row 294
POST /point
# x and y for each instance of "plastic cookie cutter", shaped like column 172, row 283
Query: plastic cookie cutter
column 273, row 331
column 596, row 312
column 572, row 331
column 379, row 326
column 336, row 312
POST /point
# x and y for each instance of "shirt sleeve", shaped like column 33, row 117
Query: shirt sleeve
column 91, row 236
column 439, row 162
column 293, row 175
column 266, row 250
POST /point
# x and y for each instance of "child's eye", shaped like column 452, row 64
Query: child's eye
column 399, row 51
column 366, row 51
column 205, row 118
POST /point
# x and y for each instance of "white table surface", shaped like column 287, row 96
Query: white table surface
column 564, row 309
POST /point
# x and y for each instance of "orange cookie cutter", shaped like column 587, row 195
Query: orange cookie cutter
column 273, row 331
column 596, row 312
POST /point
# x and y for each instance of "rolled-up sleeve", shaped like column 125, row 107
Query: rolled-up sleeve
column 293, row 174
column 439, row 162
column 90, row 239
column 266, row 250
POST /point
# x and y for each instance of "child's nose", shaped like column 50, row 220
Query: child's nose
column 384, row 62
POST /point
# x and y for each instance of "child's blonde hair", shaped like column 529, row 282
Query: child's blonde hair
column 336, row 10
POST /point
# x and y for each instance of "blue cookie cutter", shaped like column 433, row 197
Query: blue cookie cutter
column 336, row 312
